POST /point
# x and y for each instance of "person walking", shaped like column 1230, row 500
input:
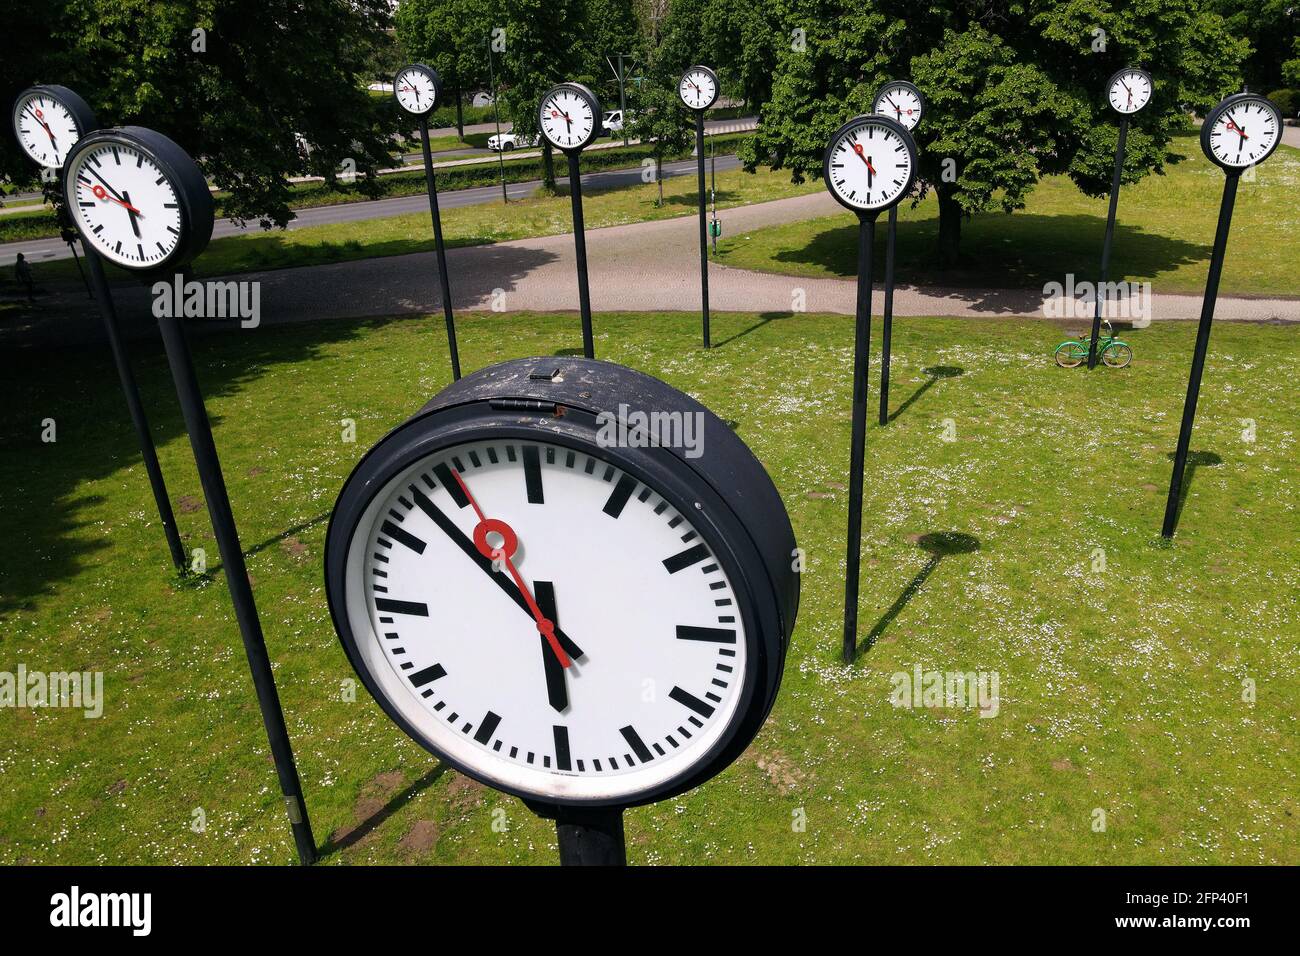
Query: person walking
column 23, row 270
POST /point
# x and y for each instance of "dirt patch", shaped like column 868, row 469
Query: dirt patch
column 293, row 547
column 255, row 471
column 1062, row 764
column 374, row 796
column 188, row 504
column 820, row 494
column 117, row 787
column 464, row 793
column 914, row 539
column 1149, row 487
column 420, row 839
column 780, row 772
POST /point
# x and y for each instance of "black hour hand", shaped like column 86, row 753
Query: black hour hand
column 557, row 690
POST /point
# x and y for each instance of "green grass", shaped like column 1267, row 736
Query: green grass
column 1120, row 690
column 1163, row 234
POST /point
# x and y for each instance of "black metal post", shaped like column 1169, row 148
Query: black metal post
column 888, row 315
column 591, row 837
column 861, row 356
column 1198, row 356
column 132, row 392
column 1105, row 246
column 713, row 190
column 241, row 592
column 622, row 98
column 72, row 247
column 496, row 114
column 580, row 248
column 442, row 251
column 704, row 225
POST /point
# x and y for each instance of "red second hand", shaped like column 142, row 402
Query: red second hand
column 510, row 544
column 101, row 194
column 857, row 148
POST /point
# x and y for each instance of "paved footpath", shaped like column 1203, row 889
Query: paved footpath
column 646, row 266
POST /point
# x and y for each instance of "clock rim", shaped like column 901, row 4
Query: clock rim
column 873, row 211
column 875, row 100
column 82, row 115
column 1223, row 106
column 432, row 74
column 431, row 432
column 1110, row 84
column 597, row 126
column 192, row 195
column 717, row 87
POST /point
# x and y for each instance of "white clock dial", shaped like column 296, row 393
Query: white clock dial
column 1244, row 132
column 698, row 89
column 567, row 118
column 46, row 129
column 901, row 103
column 124, row 205
column 870, row 165
column 1130, row 91
column 416, row 91
column 635, row 603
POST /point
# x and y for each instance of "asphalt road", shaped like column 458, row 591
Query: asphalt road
column 48, row 250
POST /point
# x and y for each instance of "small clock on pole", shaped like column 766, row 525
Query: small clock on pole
column 905, row 104
column 418, row 92
column 869, row 166
column 569, row 118
column 698, row 89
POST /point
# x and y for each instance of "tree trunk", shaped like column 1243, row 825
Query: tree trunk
column 548, row 167
column 950, row 216
column 460, row 117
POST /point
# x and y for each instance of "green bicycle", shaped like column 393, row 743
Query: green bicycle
column 1114, row 352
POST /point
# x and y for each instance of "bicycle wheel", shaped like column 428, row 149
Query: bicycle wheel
column 1071, row 354
column 1117, row 355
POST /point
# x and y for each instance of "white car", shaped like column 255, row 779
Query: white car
column 508, row 141
column 613, row 121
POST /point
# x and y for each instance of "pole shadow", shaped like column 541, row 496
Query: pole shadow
column 1195, row 459
column 763, row 319
column 936, row 372
column 368, row 825
column 938, row 545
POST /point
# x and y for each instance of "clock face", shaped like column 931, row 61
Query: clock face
column 416, row 89
column 1130, row 90
column 901, row 102
column 1241, row 131
column 45, row 127
column 870, row 164
column 640, row 663
column 124, row 204
column 568, row 117
column 698, row 88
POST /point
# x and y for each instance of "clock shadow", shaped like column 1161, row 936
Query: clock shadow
column 345, row 837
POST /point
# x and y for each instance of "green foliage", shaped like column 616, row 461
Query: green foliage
column 1291, row 68
column 1288, row 101
column 1271, row 27
column 270, row 88
column 449, row 35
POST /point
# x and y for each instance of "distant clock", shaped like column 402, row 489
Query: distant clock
column 1241, row 131
column 417, row 89
column 48, row 121
column 1129, row 90
column 698, row 88
column 138, row 199
column 870, row 163
column 901, row 101
column 569, row 117
column 562, row 610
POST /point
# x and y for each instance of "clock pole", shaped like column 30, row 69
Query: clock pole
column 442, row 251
column 704, row 228
column 887, row 318
column 241, row 592
column 102, row 293
column 857, row 454
column 580, row 250
column 1198, row 356
column 1105, row 246
column 588, row 836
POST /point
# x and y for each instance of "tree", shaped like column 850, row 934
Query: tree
column 740, row 40
column 1271, row 26
column 451, row 36
column 659, row 117
column 1014, row 88
column 255, row 90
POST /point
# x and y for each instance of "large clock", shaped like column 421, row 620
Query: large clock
column 138, row 199
column 1129, row 90
column 557, row 600
column 902, row 101
column 48, row 121
column 870, row 163
column 1241, row 131
column 416, row 89
column 698, row 88
column 569, row 117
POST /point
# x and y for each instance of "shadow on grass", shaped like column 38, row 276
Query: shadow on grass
column 763, row 319
column 349, row 838
column 935, row 373
column 938, row 545
column 1195, row 460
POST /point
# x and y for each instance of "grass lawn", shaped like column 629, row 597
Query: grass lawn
column 1163, row 234
column 1121, row 690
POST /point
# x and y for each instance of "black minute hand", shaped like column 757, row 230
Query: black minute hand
column 557, row 691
